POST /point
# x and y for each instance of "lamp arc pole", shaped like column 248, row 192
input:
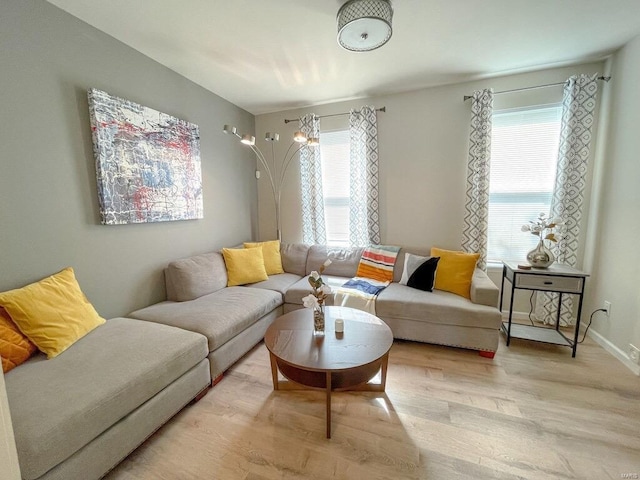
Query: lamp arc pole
column 276, row 176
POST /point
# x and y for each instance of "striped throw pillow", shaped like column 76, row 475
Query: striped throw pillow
column 377, row 262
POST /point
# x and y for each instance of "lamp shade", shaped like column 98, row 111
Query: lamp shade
column 248, row 139
column 299, row 137
column 230, row 129
column 364, row 25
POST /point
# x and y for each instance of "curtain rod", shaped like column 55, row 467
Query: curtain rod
column 381, row 109
column 467, row 97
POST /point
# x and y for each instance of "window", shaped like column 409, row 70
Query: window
column 524, row 153
column 334, row 152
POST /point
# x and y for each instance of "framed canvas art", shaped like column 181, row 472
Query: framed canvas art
column 147, row 162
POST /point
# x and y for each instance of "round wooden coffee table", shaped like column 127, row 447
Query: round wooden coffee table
column 333, row 362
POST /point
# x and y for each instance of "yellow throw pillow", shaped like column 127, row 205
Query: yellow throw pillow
column 15, row 348
column 271, row 254
column 244, row 265
column 53, row 313
column 455, row 270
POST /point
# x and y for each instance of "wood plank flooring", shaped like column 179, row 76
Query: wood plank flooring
column 532, row 412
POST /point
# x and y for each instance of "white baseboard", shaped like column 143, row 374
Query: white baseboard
column 615, row 351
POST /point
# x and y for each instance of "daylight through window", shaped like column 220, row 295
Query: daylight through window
column 335, row 185
column 524, row 152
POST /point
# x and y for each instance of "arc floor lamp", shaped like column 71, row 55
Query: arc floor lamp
column 275, row 173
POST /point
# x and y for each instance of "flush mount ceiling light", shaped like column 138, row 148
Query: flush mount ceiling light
column 364, row 25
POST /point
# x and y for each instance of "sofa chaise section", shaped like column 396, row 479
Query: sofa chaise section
column 438, row 317
column 431, row 317
column 79, row 414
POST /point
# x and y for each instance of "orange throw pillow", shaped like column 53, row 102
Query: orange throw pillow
column 15, row 348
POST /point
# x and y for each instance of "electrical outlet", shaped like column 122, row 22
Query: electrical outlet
column 607, row 308
column 634, row 354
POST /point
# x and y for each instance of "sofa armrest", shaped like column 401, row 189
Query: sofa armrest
column 483, row 290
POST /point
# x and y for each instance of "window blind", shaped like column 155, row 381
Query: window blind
column 334, row 152
column 524, row 152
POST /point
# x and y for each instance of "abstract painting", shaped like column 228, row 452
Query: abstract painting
column 147, row 162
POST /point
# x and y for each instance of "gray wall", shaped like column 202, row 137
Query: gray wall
column 423, row 147
column 614, row 256
column 49, row 215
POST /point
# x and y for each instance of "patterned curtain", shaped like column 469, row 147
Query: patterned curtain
column 364, row 223
column 476, row 215
column 578, row 106
column 313, row 223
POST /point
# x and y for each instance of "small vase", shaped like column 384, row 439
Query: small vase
column 541, row 256
column 318, row 320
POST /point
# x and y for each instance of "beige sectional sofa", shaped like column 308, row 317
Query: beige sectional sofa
column 77, row 415
column 234, row 319
column 432, row 317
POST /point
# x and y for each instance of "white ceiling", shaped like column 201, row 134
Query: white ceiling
column 272, row 55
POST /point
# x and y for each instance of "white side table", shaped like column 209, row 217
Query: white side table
column 558, row 278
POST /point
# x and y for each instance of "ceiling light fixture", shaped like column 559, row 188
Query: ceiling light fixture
column 364, row 25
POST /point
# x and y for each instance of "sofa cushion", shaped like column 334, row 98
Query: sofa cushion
column 344, row 261
column 402, row 302
column 193, row 277
column 294, row 258
column 219, row 316
column 53, row 312
column 59, row 405
column 279, row 283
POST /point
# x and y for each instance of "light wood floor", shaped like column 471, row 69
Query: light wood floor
column 533, row 412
